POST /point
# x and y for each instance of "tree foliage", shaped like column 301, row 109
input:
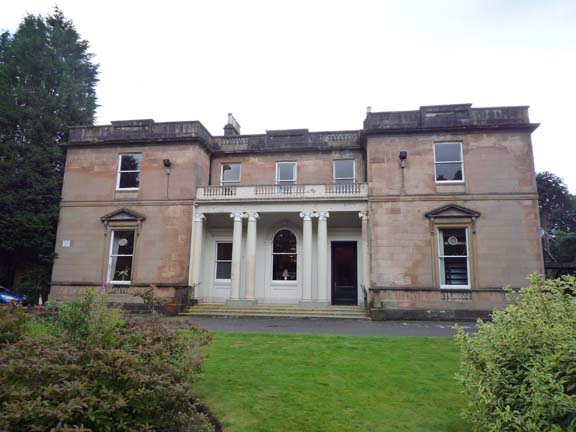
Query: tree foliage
column 558, row 218
column 519, row 371
column 47, row 84
column 557, row 205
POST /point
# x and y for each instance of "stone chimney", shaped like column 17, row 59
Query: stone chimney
column 232, row 128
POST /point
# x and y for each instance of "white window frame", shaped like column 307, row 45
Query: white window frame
column 295, row 171
column 119, row 172
column 229, row 182
column 461, row 162
column 441, row 256
column 281, row 281
column 216, row 261
column 110, row 256
column 353, row 178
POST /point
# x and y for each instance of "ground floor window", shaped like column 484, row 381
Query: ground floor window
column 454, row 258
column 284, row 256
column 223, row 260
column 121, row 256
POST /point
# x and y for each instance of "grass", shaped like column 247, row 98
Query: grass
column 313, row 383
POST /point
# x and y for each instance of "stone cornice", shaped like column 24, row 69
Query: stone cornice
column 528, row 128
column 454, row 197
column 124, row 203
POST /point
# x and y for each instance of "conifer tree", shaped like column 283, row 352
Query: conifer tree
column 47, row 84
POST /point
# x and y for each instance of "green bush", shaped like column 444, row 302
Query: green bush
column 519, row 371
column 12, row 323
column 116, row 376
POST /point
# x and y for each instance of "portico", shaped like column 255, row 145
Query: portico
column 274, row 253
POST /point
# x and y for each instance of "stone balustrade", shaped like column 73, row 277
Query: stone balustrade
column 282, row 192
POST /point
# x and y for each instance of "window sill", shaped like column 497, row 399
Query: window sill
column 450, row 182
column 127, row 190
column 119, row 282
column 454, row 287
column 284, row 282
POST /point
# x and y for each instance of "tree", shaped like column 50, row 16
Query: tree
column 557, row 205
column 47, row 84
column 558, row 219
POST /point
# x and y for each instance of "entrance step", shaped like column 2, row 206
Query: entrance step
column 268, row 310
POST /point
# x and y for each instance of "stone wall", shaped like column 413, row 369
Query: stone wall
column 312, row 167
column 499, row 184
column 91, row 172
column 162, row 248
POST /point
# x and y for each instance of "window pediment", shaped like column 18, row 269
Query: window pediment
column 123, row 215
column 452, row 211
column 123, row 218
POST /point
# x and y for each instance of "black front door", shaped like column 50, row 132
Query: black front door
column 344, row 286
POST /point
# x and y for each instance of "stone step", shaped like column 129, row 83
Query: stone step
column 276, row 306
column 294, row 311
column 273, row 315
column 289, row 311
column 277, row 309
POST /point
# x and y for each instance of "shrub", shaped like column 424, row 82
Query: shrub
column 12, row 323
column 519, row 371
column 117, row 377
column 149, row 297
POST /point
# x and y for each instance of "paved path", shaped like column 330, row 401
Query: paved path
column 325, row 326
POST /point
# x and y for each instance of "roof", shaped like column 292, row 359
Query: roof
column 428, row 119
column 460, row 117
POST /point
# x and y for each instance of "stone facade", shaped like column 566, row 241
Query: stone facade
column 391, row 216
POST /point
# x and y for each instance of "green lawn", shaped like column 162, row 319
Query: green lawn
column 302, row 383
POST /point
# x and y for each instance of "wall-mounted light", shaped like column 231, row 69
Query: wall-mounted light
column 167, row 165
column 403, row 156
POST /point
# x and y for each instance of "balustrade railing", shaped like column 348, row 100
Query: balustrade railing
column 219, row 191
column 279, row 190
column 276, row 191
column 344, row 188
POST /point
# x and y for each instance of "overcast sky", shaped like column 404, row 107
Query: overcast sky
column 319, row 64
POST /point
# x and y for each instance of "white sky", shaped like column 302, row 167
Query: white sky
column 318, row 64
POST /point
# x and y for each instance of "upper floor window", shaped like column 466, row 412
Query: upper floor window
column 344, row 171
column 285, row 173
column 129, row 171
column 121, row 256
column 230, row 174
column 448, row 162
column 284, row 256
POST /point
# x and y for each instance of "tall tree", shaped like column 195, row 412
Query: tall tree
column 558, row 219
column 47, row 84
column 557, row 205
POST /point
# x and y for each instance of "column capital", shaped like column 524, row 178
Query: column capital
column 199, row 217
column 322, row 215
column 237, row 216
column 363, row 215
column 252, row 216
column 307, row 215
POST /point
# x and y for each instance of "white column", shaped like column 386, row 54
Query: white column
column 365, row 250
column 250, row 287
column 196, row 256
column 236, row 255
column 323, row 296
column 307, row 256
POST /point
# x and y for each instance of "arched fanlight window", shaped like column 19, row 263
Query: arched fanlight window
column 284, row 256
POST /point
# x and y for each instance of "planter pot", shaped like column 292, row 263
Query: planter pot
column 172, row 308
